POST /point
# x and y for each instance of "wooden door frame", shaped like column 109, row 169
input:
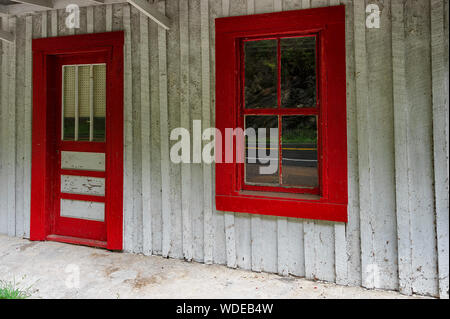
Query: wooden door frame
column 44, row 52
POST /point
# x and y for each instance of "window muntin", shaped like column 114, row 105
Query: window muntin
column 84, row 102
column 295, row 112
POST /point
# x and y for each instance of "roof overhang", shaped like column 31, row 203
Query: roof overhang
column 20, row 7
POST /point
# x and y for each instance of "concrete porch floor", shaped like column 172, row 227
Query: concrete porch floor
column 51, row 268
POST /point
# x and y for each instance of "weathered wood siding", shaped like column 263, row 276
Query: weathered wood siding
column 398, row 130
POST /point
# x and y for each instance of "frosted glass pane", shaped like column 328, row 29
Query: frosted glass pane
column 83, row 161
column 99, row 73
column 83, row 210
column 84, row 82
column 69, row 102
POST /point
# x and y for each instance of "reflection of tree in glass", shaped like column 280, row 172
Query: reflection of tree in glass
column 262, row 121
column 299, row 129
column 261, row 74
column 298, row 72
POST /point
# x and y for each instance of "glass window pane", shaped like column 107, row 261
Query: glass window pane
column 69, row 103
column 99, row 72
column 299, row 151
column 261, row 72
column 261, row 156
column 298, row 72
column 83, row 102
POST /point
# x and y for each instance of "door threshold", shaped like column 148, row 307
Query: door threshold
column 77, row 241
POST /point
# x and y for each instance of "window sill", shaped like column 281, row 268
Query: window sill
column 291, row 205
column 280, row 195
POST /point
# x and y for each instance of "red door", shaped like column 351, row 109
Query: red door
column 80, row 125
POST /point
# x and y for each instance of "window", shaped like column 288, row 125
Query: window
column 279, row 91
column 285, row 73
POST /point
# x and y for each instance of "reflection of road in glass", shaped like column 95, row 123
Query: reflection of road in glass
column 299, row 166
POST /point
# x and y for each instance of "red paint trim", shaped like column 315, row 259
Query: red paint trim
column 308, row 209
column 74, row 172
column 328, row 26
column 48, row 55
column 77, row 241
column 80, row 146
column 82, row 197
column 81, row 228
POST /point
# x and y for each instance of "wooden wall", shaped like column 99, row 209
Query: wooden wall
column 397, row 90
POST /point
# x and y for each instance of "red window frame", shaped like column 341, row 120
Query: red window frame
column 329, row 202
column 47, row 56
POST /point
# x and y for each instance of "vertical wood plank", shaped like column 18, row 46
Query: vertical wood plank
column 402, row 160
column 352, row 274
column 439, row 47
column 136, row 198
column 90, row 19
column 420, row 148
column 185, row 123
column 324, row 243
column 11, row 142
column 27, row 123
column 208, row 227
column 99, row 18
column 364, row 144
column 117, row 17
column 292, row 4
column 108, row 17
column 219, row 220
column 340, row 253
column 19, row 85
column 173, row 80
column 83, row 21
column 225, row 8
column 164, row 133
column 145, row 138
column 4, row 132
column 277, row 5
column 54, row 23
column 195, row 100
column 155, row 161
column 382, row 169
column 310, row 249
column 128, row 135
column 296, row 252
column 230, row 240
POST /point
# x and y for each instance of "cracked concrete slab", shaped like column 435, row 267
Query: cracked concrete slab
column 56, row 270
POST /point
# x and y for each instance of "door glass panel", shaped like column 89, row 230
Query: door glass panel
column 82, row 185
column 99, row 89
column 261, row 156
column 83, row 210
column 69, row 80
column 83, row 161
column 84, row 102
column 298, row 72
column 299, row 151
column 261, row 71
